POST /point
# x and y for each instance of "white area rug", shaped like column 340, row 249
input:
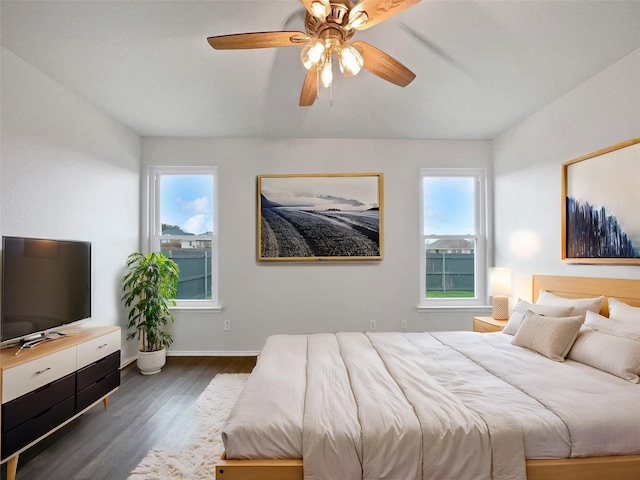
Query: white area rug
column 197, row 459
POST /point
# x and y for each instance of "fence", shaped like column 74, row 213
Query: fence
column 450, row 271
column 195, row 272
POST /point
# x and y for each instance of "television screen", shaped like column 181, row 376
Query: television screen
column 45, row 284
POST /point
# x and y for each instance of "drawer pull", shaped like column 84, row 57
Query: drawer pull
column 102, row 346
column 42, row 371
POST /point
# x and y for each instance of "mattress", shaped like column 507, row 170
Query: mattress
column 425, row 405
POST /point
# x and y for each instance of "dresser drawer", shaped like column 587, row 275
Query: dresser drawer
column 34, row 403
column 97, row 390
column 29, row 376
column 21, row 436
column 97, row 348
column 98, row 370
column 479, row 326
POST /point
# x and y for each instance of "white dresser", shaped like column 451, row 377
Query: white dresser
column 48, row 386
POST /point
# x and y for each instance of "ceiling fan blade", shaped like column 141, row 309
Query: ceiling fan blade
column 384, row 65
column 257, row 40
column 380, row 10
column 309, row 88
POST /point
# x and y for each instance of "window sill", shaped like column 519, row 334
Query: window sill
column 455, row 308
column 211, row 309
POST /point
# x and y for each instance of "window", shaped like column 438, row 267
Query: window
column 453, row 256
column 183, row 226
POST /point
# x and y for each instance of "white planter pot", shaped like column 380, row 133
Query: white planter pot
column 150, row 363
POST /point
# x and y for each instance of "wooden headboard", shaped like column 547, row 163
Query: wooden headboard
column 625, row 290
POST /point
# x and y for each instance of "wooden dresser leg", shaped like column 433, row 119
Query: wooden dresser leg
column 12, row 467
column 105, row 401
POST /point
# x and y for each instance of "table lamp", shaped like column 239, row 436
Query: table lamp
column 500, row 289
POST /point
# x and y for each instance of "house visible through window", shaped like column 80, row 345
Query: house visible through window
column 453, row 216
column 183, row 227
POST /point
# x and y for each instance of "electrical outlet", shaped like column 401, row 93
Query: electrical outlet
column 227, row 325
column 403, row 324
column 372, row 325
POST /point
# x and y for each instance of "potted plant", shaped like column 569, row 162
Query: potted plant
column 149, row 287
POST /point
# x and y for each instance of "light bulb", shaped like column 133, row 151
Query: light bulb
column 320, row 10
column 312, row 53
column 359, row 19
column 326, row 75
column 351, row 62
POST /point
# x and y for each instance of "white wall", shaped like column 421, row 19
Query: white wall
column 263, row 298
column 602, row 112
column 70, row 172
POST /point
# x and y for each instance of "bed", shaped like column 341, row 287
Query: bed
column 489, row 418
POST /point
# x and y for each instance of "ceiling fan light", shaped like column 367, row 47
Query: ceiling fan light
column 358, row 19
column 312, row 53
column 350, row 59
column 326, row 74
column 320, row 10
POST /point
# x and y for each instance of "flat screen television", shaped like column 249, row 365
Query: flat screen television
column 45, row 284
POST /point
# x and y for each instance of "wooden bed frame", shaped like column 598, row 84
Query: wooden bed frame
column 593, row 468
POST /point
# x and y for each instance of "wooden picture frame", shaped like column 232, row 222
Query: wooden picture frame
column 600, row 200
column 312, row 217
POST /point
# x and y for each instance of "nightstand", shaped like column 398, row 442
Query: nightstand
column 488, row 324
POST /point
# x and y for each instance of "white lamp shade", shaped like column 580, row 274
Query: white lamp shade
column 499, row 281
column 499, row 289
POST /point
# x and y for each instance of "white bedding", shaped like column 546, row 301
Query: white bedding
column 418, row 405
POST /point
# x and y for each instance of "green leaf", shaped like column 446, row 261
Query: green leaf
column 149, row 287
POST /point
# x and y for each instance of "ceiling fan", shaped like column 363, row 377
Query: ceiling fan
column 330, row 24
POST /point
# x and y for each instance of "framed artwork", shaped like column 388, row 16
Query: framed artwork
column 320, row 217
column 600, row 205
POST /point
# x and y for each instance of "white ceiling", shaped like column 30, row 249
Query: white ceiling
column 481, row 66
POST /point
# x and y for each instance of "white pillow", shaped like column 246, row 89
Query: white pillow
column 521, row 308
column 549, row 336
column 622, row 312
column 617, row 355
column 612, row 327
column 580, row 305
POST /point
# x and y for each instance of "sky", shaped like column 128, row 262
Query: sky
column 449, row 205
column 322, row 192
column 187, row 201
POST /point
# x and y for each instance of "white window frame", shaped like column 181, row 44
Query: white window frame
column 155, row 225
column 480, row 274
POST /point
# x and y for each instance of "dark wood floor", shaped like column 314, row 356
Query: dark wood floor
column 145, row 411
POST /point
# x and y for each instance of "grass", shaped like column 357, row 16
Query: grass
column 450, row 294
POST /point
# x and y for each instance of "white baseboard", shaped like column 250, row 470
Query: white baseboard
column 209, row 353
column 126, row 361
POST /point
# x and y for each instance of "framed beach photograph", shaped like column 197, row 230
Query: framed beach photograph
column 601, row 200
column 320, row 217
